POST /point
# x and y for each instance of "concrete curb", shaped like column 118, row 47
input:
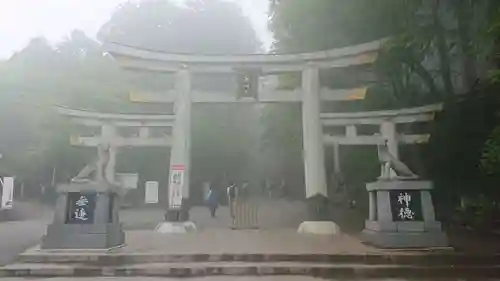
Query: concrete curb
column 117, row 259
column 332, row 271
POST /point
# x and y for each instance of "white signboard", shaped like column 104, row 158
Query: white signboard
column 151, row 192
column 128, row 180
column 7, row 192
column 175, row 186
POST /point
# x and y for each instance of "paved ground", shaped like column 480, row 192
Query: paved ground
column 273, row 214
column 27, row 226
column 213, row 278
column 228, row 278
column 212, row 241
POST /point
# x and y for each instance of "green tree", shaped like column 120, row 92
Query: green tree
column 438, row 49
column 223, row 141
column 75, row 73
column 200, row 27
column 72, row 73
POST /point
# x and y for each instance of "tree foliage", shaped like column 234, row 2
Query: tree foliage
column 301, row 26
column 223, row 140
column 438, row 50
column 200, row 27
column 76, row 73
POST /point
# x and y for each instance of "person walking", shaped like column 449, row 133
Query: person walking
column 231, row 199
column 212, row 202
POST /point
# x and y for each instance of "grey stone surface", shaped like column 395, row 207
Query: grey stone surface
column 399, row 185
column 16, row 236
column 382, row 231
column 427, row 212
column 381, row 225
column 383, row 206
column 432, row 226
column 410, row 226
column 220, row 278
column 93, row 236
column 198, row 269
column 405, row 239
column 104, row 232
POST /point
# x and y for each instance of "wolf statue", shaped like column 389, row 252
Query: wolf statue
column 96, row 170
column 388, row 162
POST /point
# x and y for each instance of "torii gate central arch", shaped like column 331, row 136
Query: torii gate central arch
column 246, row 69
column 249, row 70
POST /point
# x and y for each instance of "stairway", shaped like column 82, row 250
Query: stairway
column 403, row 265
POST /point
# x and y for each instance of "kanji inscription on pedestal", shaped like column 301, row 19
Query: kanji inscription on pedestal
column 81, row 208
column 406, row 205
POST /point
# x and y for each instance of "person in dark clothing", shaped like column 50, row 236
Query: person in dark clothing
column 212, row 201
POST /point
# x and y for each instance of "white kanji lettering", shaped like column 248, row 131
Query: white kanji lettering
column 176, row 178
column 406, row 213
column 83, row 201
column 404, row 199
column 81, row 214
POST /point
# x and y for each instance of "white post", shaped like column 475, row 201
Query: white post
column 143, row 132
column 372, row 205
column 108, row 136
column 314, row 158
column 314, row 164
column 351, row 132
column 388, row 131
column 180, row 153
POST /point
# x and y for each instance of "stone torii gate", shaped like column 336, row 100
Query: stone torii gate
column 250, row 73
column 385, row 127
column 401, row 210
column 109, row 125
column 248, row 68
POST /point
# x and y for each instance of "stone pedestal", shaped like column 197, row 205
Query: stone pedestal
column 319, row 217
column 180, row 214
column 319, row 227
column 175, row 227
column 402, row 216
column 86, row 217
column 177, row 220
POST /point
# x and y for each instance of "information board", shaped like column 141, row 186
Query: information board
column 175, row 186
column 151, row 192
column 7, row 192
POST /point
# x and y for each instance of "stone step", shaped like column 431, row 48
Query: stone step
column 408, row 258
column 250, row 269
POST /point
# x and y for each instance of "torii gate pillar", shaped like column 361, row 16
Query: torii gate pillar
column 313, row 152
column 314, row 160
column 178, row 186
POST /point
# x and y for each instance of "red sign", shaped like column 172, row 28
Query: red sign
column 178, row 167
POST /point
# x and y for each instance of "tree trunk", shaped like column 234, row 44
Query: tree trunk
column 444, row 60
column 426, row 77
column 468, row 60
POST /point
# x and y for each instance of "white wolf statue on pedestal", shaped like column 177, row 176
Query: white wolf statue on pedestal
column 388, row 162
column 97, row 209
column 397, row 192
column 98, row 166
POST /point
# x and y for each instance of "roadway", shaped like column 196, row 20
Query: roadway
column 24, row 228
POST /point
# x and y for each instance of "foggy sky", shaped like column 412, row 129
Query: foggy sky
column 21, row 20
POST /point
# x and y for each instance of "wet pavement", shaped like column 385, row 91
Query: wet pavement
column 231, row 278
column 25, row 226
